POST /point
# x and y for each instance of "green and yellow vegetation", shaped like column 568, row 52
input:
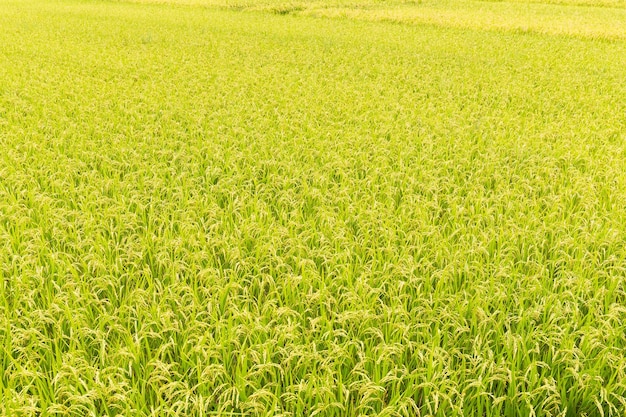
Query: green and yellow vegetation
column 331, row 208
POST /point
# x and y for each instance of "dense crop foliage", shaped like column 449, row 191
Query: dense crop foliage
column 212, row 212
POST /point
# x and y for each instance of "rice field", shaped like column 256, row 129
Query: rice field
column 325, row 208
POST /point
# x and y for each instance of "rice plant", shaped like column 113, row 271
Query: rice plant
column 227, row 211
